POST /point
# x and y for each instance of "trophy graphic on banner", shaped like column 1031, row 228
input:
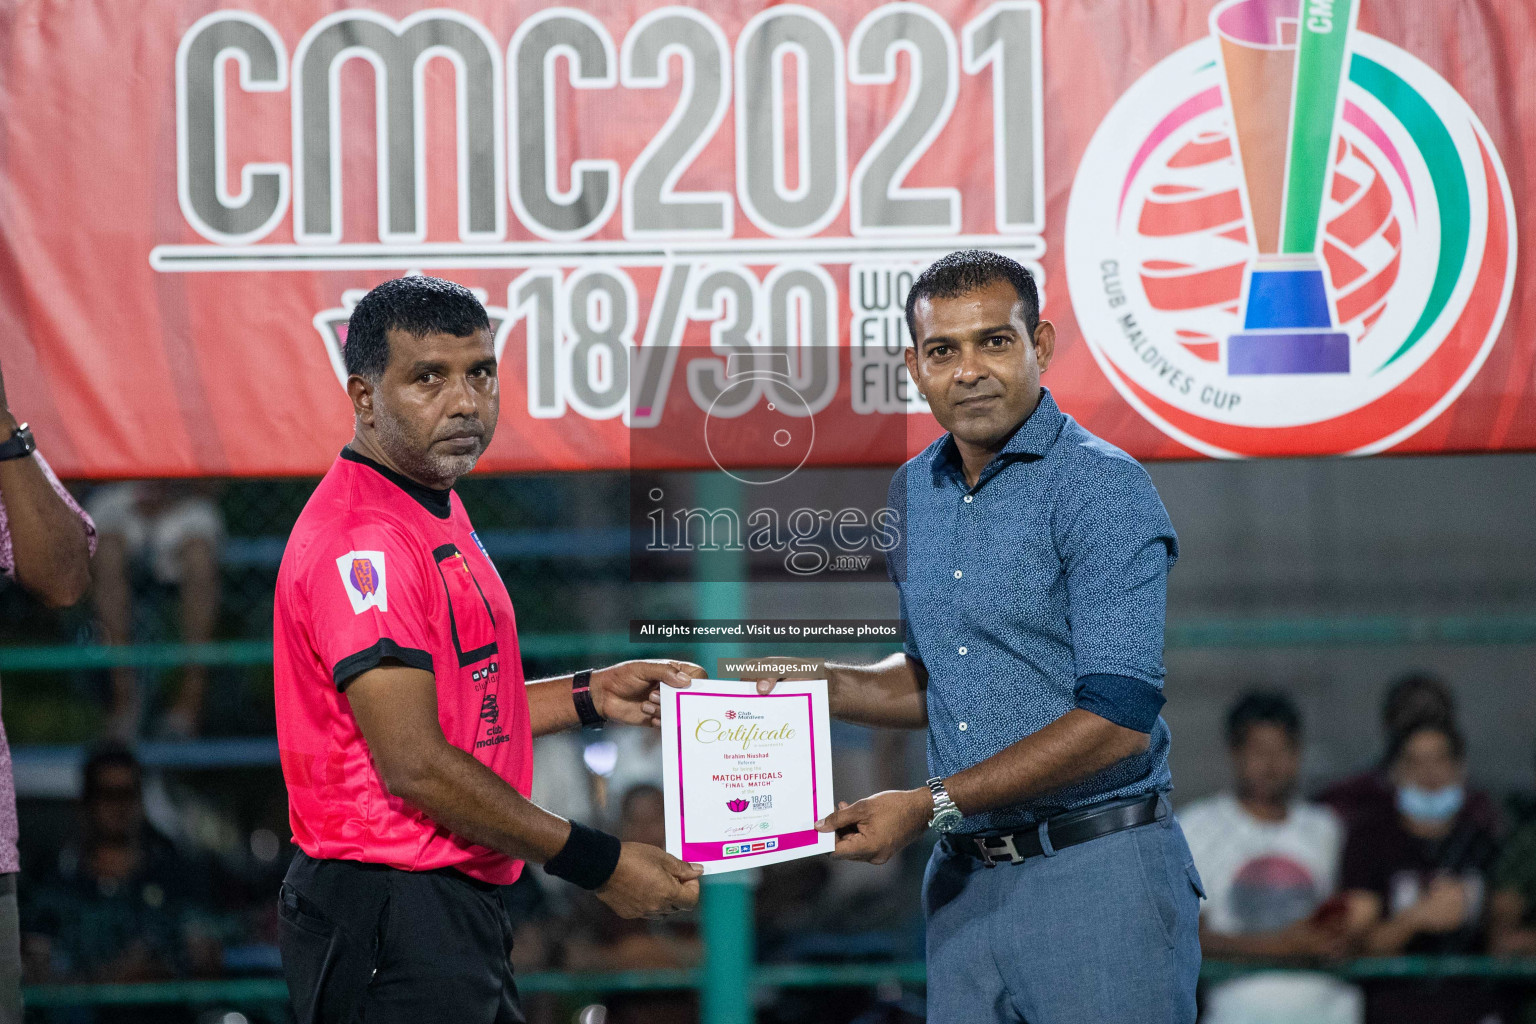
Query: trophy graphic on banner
column 1284, row 63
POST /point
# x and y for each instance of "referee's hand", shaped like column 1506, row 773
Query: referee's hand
column 650, row 882
column 630, row 692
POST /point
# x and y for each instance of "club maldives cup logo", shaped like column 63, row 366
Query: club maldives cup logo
column 363, row 577
column 1290, row 237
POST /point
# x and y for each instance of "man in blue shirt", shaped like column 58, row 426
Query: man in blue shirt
column 1033, row 581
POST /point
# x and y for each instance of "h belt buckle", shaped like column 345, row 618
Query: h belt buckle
column 992, row 855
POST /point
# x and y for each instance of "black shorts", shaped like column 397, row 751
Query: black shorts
column 366, row 942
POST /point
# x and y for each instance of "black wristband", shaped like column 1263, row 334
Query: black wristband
column 587, row 859
column 18, row 444
column 581, row 693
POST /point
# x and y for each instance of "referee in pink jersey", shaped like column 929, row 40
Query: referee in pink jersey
column 404, row 722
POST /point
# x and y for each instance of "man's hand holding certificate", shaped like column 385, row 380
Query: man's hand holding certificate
column 880, row 826
column 747, row 775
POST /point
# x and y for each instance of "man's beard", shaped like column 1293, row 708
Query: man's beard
column 418, row 461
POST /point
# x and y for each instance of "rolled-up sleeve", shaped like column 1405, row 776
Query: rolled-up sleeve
column 1117, row 545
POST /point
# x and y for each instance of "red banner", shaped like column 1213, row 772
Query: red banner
column 1262, row 227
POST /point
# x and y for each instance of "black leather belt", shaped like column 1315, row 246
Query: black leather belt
column 1068, row 829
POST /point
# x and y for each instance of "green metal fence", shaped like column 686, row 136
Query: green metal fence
column 755, row 978
column 729, row 977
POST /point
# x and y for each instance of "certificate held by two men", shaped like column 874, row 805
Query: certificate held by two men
column 746, row 775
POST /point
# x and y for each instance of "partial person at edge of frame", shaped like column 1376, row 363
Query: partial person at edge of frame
column 46, row 543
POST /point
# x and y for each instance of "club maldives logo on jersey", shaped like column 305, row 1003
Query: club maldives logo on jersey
column 1290, row 236
column 362, row 574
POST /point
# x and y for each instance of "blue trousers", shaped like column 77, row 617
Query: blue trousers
column 1105, row 932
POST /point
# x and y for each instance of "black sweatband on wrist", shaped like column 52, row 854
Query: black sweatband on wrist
column 587, row 859
column 581, row 694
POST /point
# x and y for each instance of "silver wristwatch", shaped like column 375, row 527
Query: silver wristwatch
column 946, row 816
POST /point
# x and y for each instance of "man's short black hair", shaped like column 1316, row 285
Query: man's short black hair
column 416, row 305
column 1262, row 707
column 104, row 756
column 967, row 270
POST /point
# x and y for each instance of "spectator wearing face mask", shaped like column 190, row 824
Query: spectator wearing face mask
column 1415, row 697
column 1416, row 879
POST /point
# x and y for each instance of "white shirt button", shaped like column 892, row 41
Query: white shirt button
column 963, row 727
column 957, row 574
column 962, row 650
column 969, row 498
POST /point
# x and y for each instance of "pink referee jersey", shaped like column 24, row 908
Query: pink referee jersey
column 380, row 567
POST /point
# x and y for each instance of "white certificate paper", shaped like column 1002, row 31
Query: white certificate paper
column 746, row 775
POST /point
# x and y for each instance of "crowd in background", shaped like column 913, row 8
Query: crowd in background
column 1406, row 858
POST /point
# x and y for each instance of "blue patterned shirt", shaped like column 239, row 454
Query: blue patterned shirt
column 1039, row 590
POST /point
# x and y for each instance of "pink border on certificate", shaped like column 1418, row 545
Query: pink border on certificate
column 786, row 840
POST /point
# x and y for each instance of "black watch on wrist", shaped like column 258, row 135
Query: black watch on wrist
column 581, row 693
column 19, row 445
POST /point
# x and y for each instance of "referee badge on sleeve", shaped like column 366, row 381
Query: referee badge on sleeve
column 362, row 574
